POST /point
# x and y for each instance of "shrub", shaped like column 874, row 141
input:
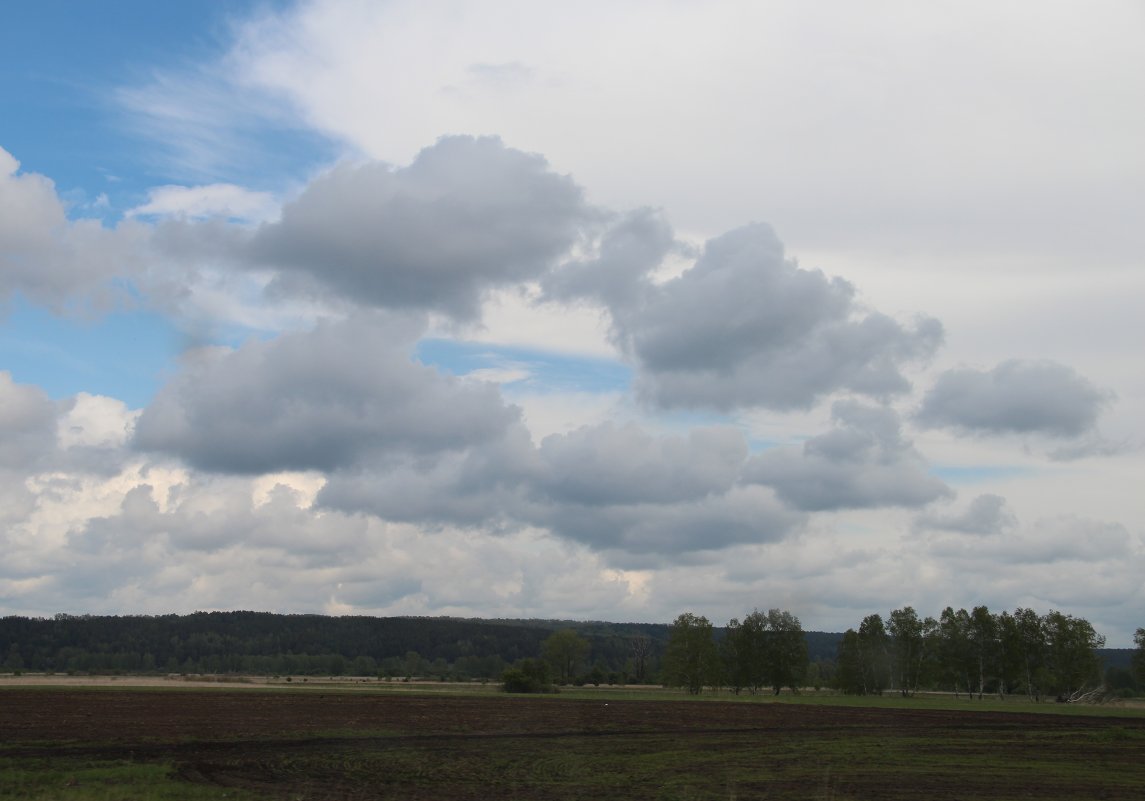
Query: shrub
column 528, row 676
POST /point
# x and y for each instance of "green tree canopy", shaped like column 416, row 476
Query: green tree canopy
column 1139, row 656
column 691, row 659
column 564, row 650
column 785, row 652
column 1071, row 645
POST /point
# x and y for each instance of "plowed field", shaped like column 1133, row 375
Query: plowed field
column 346, row 746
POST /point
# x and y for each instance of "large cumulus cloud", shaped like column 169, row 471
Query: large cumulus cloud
column 616, row 489
column 1016, row 397
column 863, row 462
column 320, row 399
column 744, row 326
column 467, row 215
column 623, row 489
column 610, row 464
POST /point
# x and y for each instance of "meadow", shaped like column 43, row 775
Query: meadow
column 185, row 740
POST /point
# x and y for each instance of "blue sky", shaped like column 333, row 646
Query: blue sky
column 869, row 338
column 122, row 354
column 65, row 63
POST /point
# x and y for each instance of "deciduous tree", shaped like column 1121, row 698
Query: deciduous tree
column 1030, row 644
column 1139, row 657
column 1072, row 644
column 690, row 660
column 641, row 653
column 564, row 650
column 849, row 665
column 785, row 651
column 874, row 650
column 909, row 647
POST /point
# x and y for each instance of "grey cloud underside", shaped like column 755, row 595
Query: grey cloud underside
column 1067, row 538
column 1016, row 397
column 608, row 464
column 27, row 423
column 744, row 326
column 864, row 462
column 623, row 489
column 634, row 246
column 400, row 441
column 466, row 216
column 612, row 489
column 986, row 514
column 740, row 515
column 317, row 400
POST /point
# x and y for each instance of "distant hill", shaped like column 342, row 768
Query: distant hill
column 1117, row 657
column 267, row 643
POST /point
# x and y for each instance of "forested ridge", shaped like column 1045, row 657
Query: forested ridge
column 269, row 643
column 263, row 643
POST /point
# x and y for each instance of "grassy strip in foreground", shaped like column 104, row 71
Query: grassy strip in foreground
column 713, row 765
column 81, row 779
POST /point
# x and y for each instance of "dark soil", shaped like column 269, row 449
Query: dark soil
column 307, row 745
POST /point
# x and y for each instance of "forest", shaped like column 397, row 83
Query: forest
column 965, row 652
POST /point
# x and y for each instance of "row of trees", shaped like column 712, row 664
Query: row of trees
column 764, row 650
column 976, row 653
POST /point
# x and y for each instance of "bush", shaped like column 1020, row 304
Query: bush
column 528, row 676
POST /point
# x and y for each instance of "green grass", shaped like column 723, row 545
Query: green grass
column 64, row 778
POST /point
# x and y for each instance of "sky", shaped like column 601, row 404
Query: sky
column 595, row 311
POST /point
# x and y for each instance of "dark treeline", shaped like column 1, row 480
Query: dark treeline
column 272, row 644
column 259, row 643
column 975, row 653
column 262, row 643
column 978, row 653
column 764, row 651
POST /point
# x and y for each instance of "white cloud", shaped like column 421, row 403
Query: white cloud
column 51, row 259
column 212, row 200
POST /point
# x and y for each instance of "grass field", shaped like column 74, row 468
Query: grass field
column 342, row 741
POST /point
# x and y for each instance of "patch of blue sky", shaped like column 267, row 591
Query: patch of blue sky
column 521, row 371
column 124, row 355
column 757, row 445
column 527, row 369
column 62, row 67
column 681, row 421
column 977, row 474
